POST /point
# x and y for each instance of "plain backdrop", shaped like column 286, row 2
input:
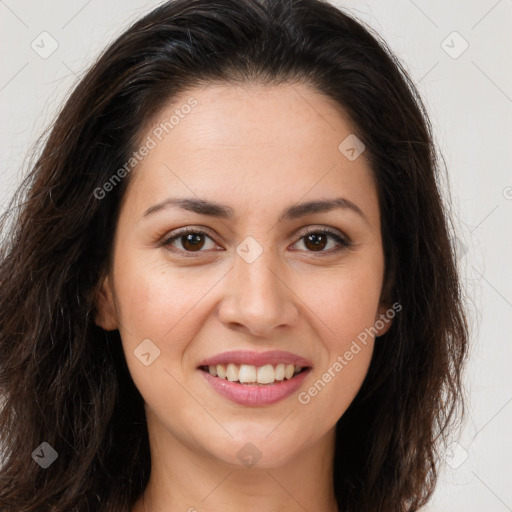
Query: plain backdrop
column 459, row 55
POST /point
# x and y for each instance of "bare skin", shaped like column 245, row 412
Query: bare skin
column 258, row 150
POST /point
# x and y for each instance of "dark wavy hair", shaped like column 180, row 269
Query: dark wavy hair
column 65, row 381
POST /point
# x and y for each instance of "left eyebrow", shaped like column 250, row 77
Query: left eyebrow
column 320, row 206
column 214, row 209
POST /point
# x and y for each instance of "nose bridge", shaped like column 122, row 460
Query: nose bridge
column 257, row 297
column 257, row 286
column 256, row 278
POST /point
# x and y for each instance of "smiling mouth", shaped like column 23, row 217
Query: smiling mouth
column 254, row 375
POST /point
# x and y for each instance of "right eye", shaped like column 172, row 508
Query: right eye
column 191, row 240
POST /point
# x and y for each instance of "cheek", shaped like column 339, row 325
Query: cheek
column 155, row 301
column 160, row 305
column 167, row 306
column 343, row 309
column 344, row 304
column 330, row 393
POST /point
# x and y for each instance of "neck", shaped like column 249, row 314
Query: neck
column 185, row 479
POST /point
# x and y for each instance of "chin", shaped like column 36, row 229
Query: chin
column 258, row 449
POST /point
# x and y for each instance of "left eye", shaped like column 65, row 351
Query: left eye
column 193, row 240
column 317, row 240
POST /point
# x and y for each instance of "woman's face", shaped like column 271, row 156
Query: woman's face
column 263, row 278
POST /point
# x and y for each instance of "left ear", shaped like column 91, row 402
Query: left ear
column 383, row 319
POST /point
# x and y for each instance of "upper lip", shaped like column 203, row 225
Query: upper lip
column 272, row 357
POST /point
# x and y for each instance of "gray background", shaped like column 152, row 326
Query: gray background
column 469, row 97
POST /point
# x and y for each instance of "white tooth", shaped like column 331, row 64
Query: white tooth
column 247, row 373
column 288, row 372
column 266, row 374
column 232, row 372
column 221, row 371
column 212, row 370
column 298, row 369
column 280, row 371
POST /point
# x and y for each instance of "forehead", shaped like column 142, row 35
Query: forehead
column 250, row 144
column 288, row 116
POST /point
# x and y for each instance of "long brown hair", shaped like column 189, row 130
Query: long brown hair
column 65, row 382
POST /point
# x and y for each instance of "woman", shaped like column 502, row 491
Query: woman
column 229, row 282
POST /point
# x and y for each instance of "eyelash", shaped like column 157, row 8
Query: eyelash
column 192, row 254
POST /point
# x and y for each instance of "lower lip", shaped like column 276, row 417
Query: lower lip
column 245, row 394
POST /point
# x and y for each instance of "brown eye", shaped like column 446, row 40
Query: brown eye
column 316, row 241
column 191, row 240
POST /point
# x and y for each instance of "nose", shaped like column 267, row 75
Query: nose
column 257, row 298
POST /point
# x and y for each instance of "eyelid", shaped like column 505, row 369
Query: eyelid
column 325, row 229
column 179, row 232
